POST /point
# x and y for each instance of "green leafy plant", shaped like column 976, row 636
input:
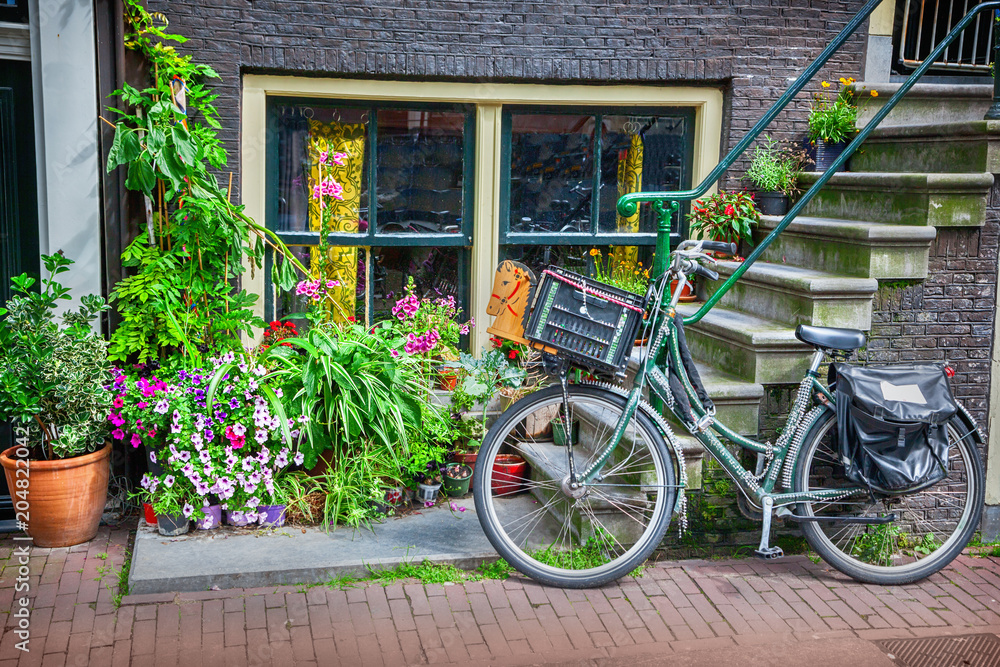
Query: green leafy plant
column 834, row 119
column 620, row 270
column 482, row 377
column 345, row 385
column 724, row 216
column 776, row 169
column 177, row 294
column 877, row 544
column 52, row 378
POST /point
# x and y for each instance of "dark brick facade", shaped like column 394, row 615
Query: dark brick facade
column 748, row 48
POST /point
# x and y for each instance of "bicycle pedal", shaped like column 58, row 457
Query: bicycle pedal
column 770, row 553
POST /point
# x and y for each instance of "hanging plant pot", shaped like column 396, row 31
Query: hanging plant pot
column 771, row 203
column 509, row 474
column 170, row 525
column 826, row 154
column 456, row 479
column 65, row 497
column 212, row 518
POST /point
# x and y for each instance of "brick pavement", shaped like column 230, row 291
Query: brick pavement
column 678, row 607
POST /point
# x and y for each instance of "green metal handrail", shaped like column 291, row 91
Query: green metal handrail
column 666, row 202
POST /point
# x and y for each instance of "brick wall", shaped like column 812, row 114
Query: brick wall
column 748, row 47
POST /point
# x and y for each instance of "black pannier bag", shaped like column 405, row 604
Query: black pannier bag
column 892, row 425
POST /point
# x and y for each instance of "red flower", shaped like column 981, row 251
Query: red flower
column 730, row 210
column 513, row 354
column 350, row 318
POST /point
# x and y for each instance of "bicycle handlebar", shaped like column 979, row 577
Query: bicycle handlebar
column 705, row 272
column 719, row 246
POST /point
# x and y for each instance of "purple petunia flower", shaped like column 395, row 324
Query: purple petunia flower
column 298, row 458
column 168, row 481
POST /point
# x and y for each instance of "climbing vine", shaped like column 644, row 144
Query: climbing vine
column 179, row 293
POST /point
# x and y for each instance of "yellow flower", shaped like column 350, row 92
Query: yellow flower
column 874, row 93
column 850, row 80
column 594, row 252
column 825, row 84
column 843, row 81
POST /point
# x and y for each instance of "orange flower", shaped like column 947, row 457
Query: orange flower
column 594, row 252
column 874, row 93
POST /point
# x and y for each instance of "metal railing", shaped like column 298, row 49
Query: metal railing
column 924, row 20
column 666, row 202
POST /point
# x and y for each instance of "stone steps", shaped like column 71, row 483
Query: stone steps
column 849, row 247
column 795, row 295
column 965, row 147
column 926, row 103
column 737, row 401
column 938, row 199
column 751, row 348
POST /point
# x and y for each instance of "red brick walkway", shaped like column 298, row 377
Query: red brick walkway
column 678, row 607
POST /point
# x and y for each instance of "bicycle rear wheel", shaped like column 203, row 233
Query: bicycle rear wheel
column 574, row 538
column 932, row 525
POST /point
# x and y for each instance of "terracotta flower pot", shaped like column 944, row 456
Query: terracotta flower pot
column 509, row 474
column 687, row 294
column 65, row 497
column 447, row 380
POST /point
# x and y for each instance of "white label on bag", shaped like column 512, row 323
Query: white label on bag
column 904, row 393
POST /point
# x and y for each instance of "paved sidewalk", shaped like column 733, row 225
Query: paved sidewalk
column 790, row 611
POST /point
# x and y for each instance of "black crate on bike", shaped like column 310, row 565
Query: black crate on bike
column 590, row 323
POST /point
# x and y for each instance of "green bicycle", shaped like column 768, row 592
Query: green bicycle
column 596, row 505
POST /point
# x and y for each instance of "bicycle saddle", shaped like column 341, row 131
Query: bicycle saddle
column 829, row 338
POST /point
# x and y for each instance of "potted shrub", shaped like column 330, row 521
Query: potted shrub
column 456, row 478
column 774, row 172
column 833, row 121
column 52, row 390
column 725, row 216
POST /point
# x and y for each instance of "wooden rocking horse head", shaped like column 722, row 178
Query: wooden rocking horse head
column 513, row 288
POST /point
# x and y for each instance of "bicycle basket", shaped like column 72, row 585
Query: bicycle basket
column 589, row 323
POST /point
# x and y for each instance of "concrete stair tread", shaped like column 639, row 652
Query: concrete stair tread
column 963, row 129
column 746, row 328
column 799, row 278
column 903, row 180
column 719, row 384
column 837, row 228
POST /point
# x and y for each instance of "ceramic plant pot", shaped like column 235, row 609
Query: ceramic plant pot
column 171, row 525
column 64, row 497
column 212, row 518
column 459, row 484
column 466, row 458
column 271, row 515
column 509, row 474
column 447, row 380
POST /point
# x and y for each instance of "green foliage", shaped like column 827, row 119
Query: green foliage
column 177, row 294
column 773, row 169
column 482, row 377
column 620, row 270
column 440, row 573
column 344, row 384
column 877, row 544
column 927, row 545
column 724, row 216
column 52, row 378
column 834, row 119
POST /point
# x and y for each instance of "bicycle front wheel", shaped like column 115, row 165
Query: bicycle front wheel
column 932, row 525
column 573, row 537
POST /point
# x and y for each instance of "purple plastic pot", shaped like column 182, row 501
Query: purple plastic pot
column 234, row 518
column 271, row 515
column 212, row 518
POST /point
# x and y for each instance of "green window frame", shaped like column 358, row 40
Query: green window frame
column 594, row 236
column 372, row 237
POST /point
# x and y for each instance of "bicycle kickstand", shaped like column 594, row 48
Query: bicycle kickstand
column 764, row 550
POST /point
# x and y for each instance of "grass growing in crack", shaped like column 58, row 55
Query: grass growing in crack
column 120, row 576
column 425, row 572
